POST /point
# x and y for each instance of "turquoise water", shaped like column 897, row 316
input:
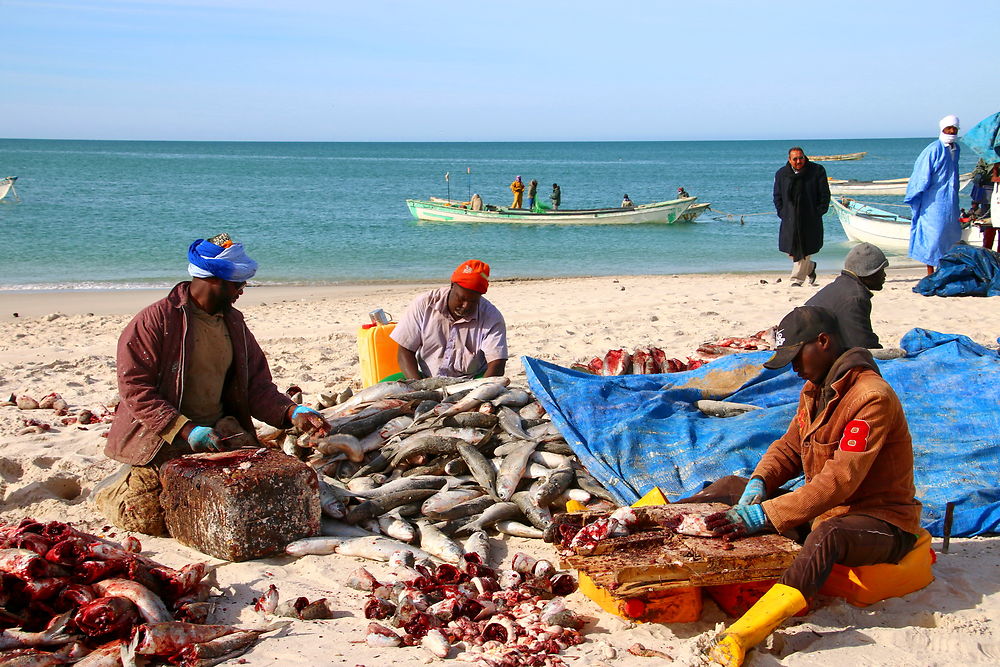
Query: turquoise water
column 122, row 213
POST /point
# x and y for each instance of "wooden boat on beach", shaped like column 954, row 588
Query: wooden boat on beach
column 887, row 187
column 438, row 210
column 889, row 231
column 838, row 158
column 7, row 186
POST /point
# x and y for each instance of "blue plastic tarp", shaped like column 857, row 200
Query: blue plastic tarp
column 633, row 432
column 964, row 271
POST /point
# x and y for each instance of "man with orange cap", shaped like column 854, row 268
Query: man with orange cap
column 453, row 331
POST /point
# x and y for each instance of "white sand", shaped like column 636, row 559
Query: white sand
column 309, row 335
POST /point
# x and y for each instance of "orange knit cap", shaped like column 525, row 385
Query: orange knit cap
column 472, row 274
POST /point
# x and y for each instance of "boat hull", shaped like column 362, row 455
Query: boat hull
column 658, row 213
column 890, row 232
column 6, row 184
column 894, row 187
column 692, row 212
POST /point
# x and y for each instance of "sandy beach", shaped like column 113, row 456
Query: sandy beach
column 65, row 342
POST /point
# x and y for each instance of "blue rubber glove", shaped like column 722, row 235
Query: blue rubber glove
column 308, row 420
column 203, row 439
column 747, row 519
column 754, row 493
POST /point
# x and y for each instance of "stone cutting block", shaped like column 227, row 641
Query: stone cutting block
column 240, row 505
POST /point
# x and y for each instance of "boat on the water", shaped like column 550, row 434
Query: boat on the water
column 887, row 187
column 7, row 186
column 889, row 231
column 692, row 212
column 838, row 158
column 444, row 210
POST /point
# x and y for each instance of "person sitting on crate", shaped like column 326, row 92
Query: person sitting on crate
column 850, row 438
column 453, row 331
column 190, row 377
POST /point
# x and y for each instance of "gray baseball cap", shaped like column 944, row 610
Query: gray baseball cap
column 865, row 260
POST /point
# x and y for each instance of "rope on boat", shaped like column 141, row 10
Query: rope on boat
column 880, row 204
column 731, row 217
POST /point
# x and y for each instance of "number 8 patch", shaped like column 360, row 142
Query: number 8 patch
column 855, row 436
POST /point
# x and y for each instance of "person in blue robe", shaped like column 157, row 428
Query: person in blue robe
column 932, row 194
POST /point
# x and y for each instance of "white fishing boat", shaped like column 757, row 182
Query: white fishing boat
column 7, row 187
column 887, row 187
column 838, row 158
column 452, row 211
column 692, row 212
column 889, row 231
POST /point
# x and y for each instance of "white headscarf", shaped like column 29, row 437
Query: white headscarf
column 948, row 121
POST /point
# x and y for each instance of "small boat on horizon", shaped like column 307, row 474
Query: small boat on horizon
column 7, row 186
column 886, row 187
column 889, row 231
column 446, row 210
column 838, row 158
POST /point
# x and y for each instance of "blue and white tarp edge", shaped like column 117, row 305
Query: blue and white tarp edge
column 634, row 432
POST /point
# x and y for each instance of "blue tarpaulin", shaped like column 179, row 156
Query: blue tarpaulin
column 964, row 271
column 633, row 432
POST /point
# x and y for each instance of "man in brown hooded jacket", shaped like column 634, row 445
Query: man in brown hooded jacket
column 191, row 377
column 850, row 440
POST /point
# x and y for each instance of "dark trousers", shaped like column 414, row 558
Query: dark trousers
column 851, row 540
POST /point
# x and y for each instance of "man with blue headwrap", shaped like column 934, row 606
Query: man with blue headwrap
column 932, row 194
column 191, row 377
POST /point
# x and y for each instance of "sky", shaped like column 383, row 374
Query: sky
column 480, row 70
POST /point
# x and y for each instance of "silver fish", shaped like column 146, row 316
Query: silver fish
column 544, row 432
column 397, row 527
column 549, row 459
column 519, row 529
column 532, row 411
column 375, row 547
column 540, row 517
column 377, row 506
column 368, row 395
column 151, row 607
column 330, row 528
column 724, row 408
column 480, row 467
column 437, row 543
column 445, row 500
column 477, row 397
column 340, row 443
column 329, row 502
column 511, row 424
column 469, row 508
column 478, row 544
column 475, row 383
column 547, row 489
column 489, row 517
column 512, row 470
column 515, row 398
column 401, row 484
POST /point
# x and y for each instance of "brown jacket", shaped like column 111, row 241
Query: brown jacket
column 855, row 451
column 152, row 353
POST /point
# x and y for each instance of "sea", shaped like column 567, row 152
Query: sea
column 121, row 214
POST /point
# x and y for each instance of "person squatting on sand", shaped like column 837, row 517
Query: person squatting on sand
column 190, row 377
column 850, row 438
column 932, row 194
column 849, row 296
column 453, row 331
column 801, row 197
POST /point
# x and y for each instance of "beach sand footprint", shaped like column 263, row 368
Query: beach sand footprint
column 10, row 470
column 63, row 488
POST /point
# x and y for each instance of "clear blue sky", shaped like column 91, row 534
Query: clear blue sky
column 468, row 70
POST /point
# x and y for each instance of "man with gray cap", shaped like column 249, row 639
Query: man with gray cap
column 850, row 439
column 849, row 297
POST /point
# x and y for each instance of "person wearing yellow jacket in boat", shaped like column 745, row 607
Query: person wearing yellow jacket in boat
column 850, row 439
column 517, row 187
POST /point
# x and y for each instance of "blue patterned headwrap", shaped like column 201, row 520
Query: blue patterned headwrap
column 207, row 260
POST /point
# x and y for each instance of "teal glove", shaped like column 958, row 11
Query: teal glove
column 309, row 421
column 203, row 439
column 304, row 410
column 747, row 519
column 754, row 493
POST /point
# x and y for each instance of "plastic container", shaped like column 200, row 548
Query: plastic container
column 377, row 352
column 868, row 584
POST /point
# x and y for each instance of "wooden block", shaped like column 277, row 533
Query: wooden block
column 240, row 505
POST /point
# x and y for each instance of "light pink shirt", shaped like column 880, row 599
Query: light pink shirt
column 448, row 347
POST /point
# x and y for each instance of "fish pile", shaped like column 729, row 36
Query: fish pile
column 651, row 360
column 642, row 361
column 504, row 618
column 57, row 404
column 415, row 466
column 68, row 596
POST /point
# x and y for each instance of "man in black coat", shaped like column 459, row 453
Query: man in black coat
column 849, row 297
column 801, row 197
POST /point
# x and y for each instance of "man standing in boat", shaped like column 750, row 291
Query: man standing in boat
column 932, row 194
column 801, row 197
column 532, row 193
column 517, row 187
column 453, row 331
column 555, row 197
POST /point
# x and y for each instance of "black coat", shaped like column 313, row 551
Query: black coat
column 851, row 303
column 801, row 200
